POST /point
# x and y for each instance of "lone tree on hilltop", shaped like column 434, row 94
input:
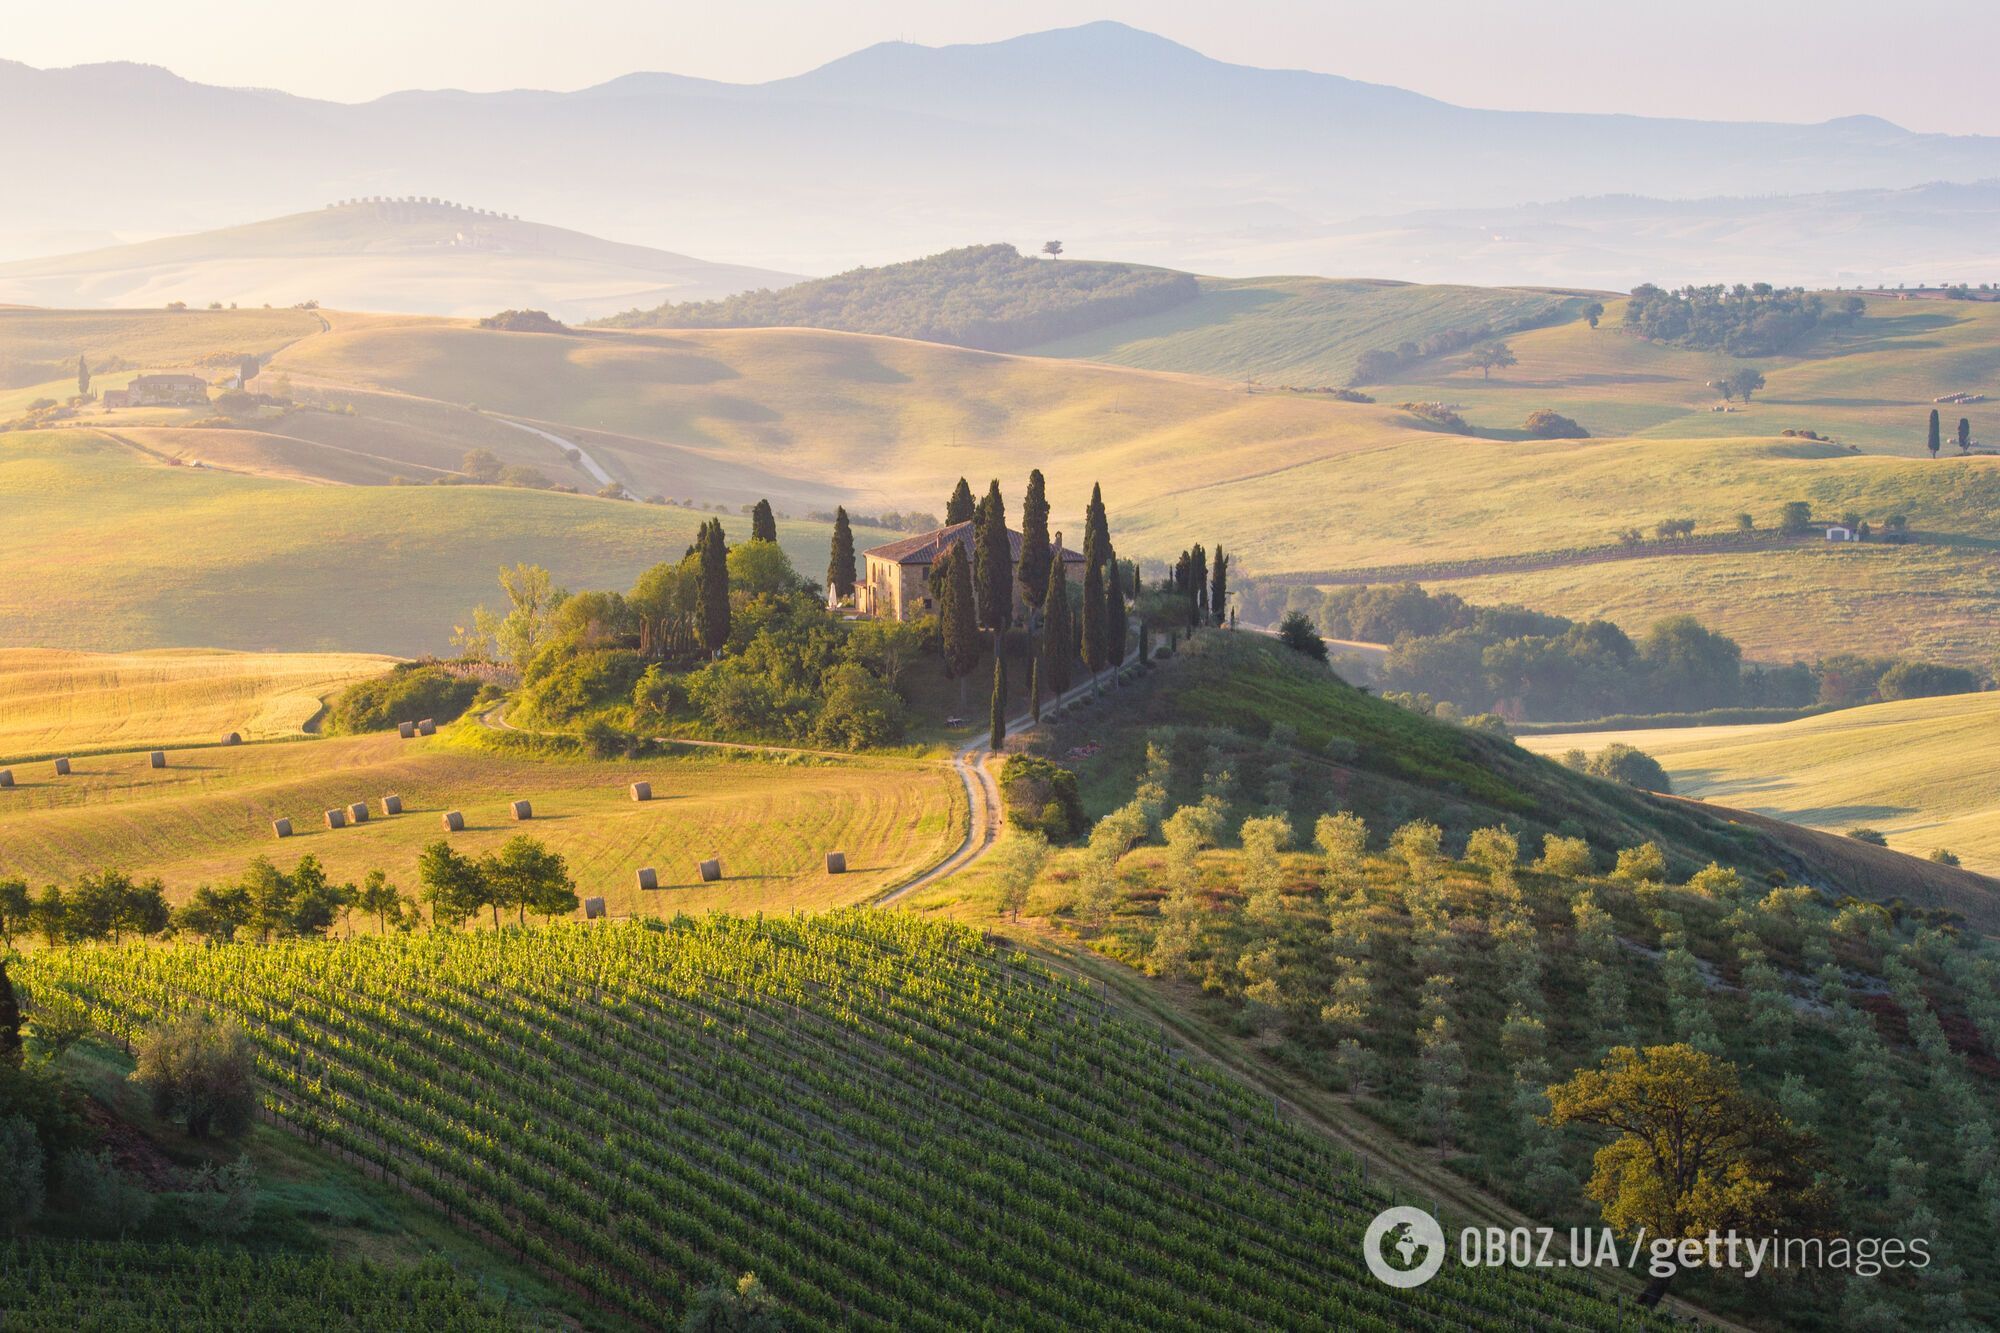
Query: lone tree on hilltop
column 1694, row 1153
column 1593, row 312
column 1492, row 357
column 763, row 523
column 840, row 564
column 1053, row 249
column 1936, row 439
column 960, row 508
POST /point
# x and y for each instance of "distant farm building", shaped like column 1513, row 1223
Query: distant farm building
column 159, row 391
column 896, row 583
column 1838, row 533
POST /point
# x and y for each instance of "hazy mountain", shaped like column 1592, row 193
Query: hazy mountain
column 421, row 258
column 1122, row 143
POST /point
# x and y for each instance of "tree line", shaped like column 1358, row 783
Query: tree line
column 1754, row 320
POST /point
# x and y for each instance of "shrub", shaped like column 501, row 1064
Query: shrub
column 1544, row 424
column 1568, row 857
column 1923, row 680
column 564, row 686
column 1868, row 835
column 199, row 1073
column 1041, row 796
column 409, row 691
column 21, row 1177
column 1644, row 864
column 1296, row 632
column 524, row 321
column 1943, row 857
column 107, row 1201
column 858, row 710
column 1632, row 766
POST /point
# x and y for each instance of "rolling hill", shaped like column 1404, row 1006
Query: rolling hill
column 419, row 257
column 1101, row 134
column 1917, row 770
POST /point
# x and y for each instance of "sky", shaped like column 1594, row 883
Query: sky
column 1793, row 60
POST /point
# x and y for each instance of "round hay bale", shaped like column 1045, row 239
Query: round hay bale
column 642, row 791
column 392, row 805
column 711, row 870
column 6, row 777
column 336, row 819
column 427, row 728
column 159, row 758
column 358, row 813
column 836, row 863
column 62, row 768
column 454, row 822
column 406, row 729
column 282, row 827
column 593, row 908
column 522, row 810
column 649, row 878
column 232, row 738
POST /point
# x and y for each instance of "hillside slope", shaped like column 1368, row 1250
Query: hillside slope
column 420, row 257
column 888, row 1121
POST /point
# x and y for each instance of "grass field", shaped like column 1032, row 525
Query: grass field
column 202, row 818
column 1922, row 771
column 55, row 702
column 107, row 548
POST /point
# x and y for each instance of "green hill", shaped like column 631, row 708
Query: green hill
column 1305, row 331
column 889, row 1121
column 984, row 296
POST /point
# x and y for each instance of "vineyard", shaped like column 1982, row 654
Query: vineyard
column 890, row 1122
column 74, row 1287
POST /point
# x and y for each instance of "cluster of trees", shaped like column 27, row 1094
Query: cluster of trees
column 1201, row 584
column 1382, row 365
column 484, row 466
column 984, row 296
column 892, row 520
column 1755, row 320
column 524, row 321
column 1935, row 441
column 407, row 692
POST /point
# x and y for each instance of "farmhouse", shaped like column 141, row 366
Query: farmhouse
column 162, row 391
column 896, row 581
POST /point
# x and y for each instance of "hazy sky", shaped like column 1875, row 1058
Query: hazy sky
column 1795, row 60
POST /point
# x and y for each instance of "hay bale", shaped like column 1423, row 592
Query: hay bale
column 159, row 758
column 427, row 728
column 711, row 870
column 6, row 777
column 392, row 805
column 406, row 729
column 593, row 908
column 454, row 822
column 649, row 878
column 836, row 863
column 522, row 810
column 231, row 738
column 336, row 819
column 358, row 813
column 642, row 791
column 282, row 827
column 62, row 768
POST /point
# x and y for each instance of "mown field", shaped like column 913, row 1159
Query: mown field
column 201, row 819
column 1920, row 771
column 53, row 701
column 891, row 1122
column 108, row 548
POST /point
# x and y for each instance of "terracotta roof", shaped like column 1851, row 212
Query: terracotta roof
column 925, row 548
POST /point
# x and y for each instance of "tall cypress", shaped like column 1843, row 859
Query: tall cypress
column 1114, row 610
column 1035, row 689
column 1095, row 529
column 996, row 720
column 714, row 587
column 1936, row 439
column 10, row 1021
column 1058, row 639
column 1145, row 642
column 840, row 565
column 763, row 523
column 959, row 508
column 1035, row 554
column 958, row 621
column 993, row 561
column 1095, row 638
column 1218, row 588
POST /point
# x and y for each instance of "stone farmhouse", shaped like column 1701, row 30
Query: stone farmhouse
column 159, row 391
column 895, row 583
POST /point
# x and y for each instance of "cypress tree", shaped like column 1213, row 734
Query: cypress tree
column 1058, row 638
column 1095, row 530
column 1936, row 440
column 997, row 717
column 1218, row 587
column 82, row 378
column 1114, row 611
column 1145, row 642
column 763, row 523
column 959, row 509
column 714, row 587
column 1095, row 638
column 993, row 561
column 1035, row 555
column 1035, row 689
column 840, row 565
column 958, row 621
column 10, row 1021
column 1965, row 435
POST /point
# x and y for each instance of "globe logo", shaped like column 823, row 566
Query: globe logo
column 1403, row 1247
